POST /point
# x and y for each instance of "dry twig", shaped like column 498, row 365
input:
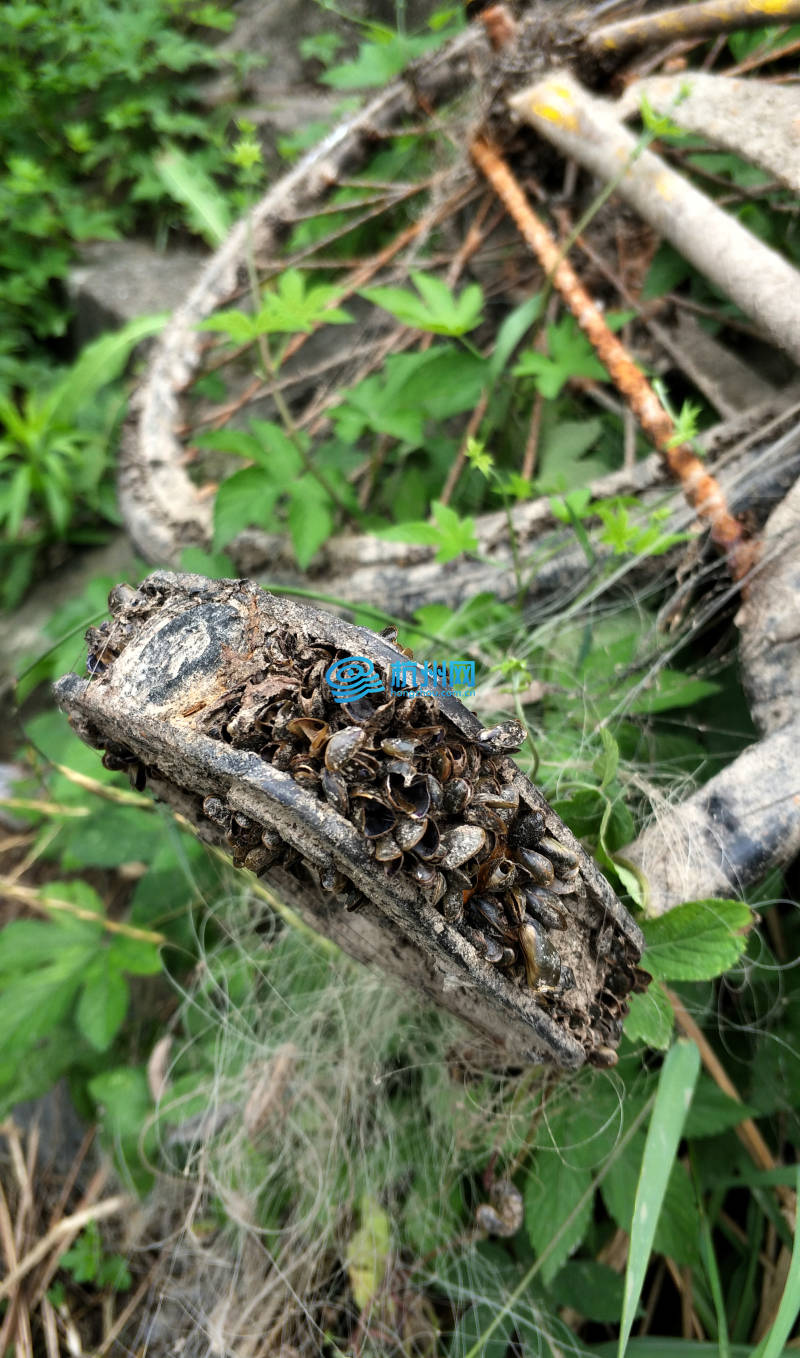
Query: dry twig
column 701, row 490
column 752, row 118
column 702, row 20
column 760, row 281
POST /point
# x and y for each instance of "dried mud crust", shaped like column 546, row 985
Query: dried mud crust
column 401, row 826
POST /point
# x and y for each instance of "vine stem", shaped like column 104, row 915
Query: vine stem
column 702, row 490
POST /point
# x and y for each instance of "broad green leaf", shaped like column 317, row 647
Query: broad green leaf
column 631, row 881
column 368, row 1252
column 515, row 326
column 28, row 943
column 134, row 955
column 666, row 272
column 673, row 1096
column 310, row 517
column 436, row 309
column 712, row 1111
column 214, row 564
column 236, row 325
column 275, row 452
column 563, row 465
column 187, row 182
column 552, row 1191
column 697, row 941
column 650, row 1018
column 457, row 535
column 103, row 1003
column 110, row 836
column 675, row 1234
column 450, row 534
column 379, row 62
column 244, row 500
column 294, row 304
column 374, row 405
column 672, row 688
column 124, row 1099
column 594, row 1290
column 569, row 355
column 33, row 1004
column 235, row 441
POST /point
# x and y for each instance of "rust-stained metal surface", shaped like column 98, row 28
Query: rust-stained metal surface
column 397, row 826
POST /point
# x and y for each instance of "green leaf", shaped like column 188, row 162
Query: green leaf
column 563, row 465
column 712, row 1111
column 17, row 498
column 436, row 310
column 379, row 62
column 28, row 943
column 650, row 1018
column 697, row 941
column 188, row 183
column 456, row 535
column 515, row 326
column 451, row 534
column 276, row 454
column 100, row 362
column 570, row 354
column 103, row 1003
column 310, row 517
column 675, row 1088
column 244, row 500
column 294, row 304
column 82, row 895
column 124, row 1099
column 34, row 1004
column 236, row 325
column 134, row 955
column 111, row 835
column 214, row 564
column 594, row 1290
column 552, row 1191
column 666, row 272
column 672, row 688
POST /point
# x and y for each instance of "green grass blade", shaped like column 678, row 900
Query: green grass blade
column 675, row 1088
column 772, row 1344
column 189, row 185
column 651, row 1346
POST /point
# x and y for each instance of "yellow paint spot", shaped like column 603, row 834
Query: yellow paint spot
column 664, row 187
column 553, row 114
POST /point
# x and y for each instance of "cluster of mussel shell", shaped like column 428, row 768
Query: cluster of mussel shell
column 428, row 801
